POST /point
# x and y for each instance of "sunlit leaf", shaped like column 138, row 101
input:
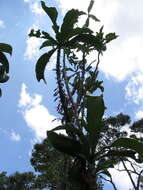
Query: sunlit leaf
column 41, row 64
column 5, row 48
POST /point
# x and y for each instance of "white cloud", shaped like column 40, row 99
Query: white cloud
column 26, row 1
column 25, row 98
column 2, row 25
column 35, row 114
column 125, row 182
column 14, row 136
column 36, row 8
column 139, row 114
column 124, row 56
column 122, row 59
column 32, row 49
column 134, row 88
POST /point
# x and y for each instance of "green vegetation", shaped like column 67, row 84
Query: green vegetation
column 4, row 64
column 80, row 160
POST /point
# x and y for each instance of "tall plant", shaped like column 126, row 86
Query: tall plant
column 82, row 112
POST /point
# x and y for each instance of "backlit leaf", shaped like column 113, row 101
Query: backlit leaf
column 95, row 111
column 48, row 43
column 5, row 48
column 4, row 62
column 94, row 18
column 76, row 132
column 69, row 21
column 41, row 64
column 131, row 144
column 90, row 5
column 64, row 144
column 51, row 12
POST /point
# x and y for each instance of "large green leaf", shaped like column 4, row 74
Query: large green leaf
column 51, row 12
column 5, row 48
column 69, row 21
column 122, row 153
column 95, row 111
column 64, row 144
column 76, row 132
column 41, row 64
column 4, row 62
column 131, row 144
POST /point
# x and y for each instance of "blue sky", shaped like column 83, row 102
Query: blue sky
column 27, row 107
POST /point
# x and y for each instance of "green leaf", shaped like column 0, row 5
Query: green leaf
column 109, row 37
column 48, row 43
column 76, row 132
column 78, row 30
column 41, row 65
column 106, row 164
column 90, row 5
column 95, row 111
column 94, row 18
column 93, row 41
column 69, row 21
column 51, row 12
column 122, row 153
column 4, row 62
column 106, row 172
column 0, row 92
column 131, row 144
column 5, row 48
column 64, row 144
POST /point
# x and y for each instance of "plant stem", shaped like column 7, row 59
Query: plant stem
column 129, row 174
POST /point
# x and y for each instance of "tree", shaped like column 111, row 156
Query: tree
column 50, row 163
column 4, row 64
column 82, row 112
column 18, row 181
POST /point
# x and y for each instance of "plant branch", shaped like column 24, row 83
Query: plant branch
column 130, row 176
column 111, row 181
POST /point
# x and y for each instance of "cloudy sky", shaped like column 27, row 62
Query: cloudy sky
column 27, row 107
